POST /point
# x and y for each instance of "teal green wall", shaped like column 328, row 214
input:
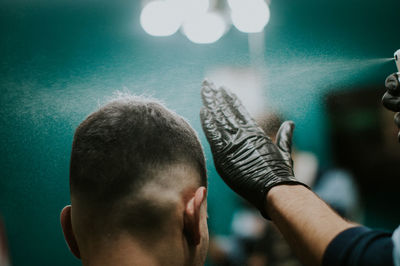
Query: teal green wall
column 60, row 59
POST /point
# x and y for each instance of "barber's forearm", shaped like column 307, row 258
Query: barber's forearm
column 307, row 223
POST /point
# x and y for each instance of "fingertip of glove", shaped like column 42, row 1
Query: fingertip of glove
column 289, row 125
column 207, row 85
column 397, row 119
column 206, row 82
column 207, row 95
column 391, row 78
column 392, row 84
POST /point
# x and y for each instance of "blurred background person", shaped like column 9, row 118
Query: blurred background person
column 337, row 188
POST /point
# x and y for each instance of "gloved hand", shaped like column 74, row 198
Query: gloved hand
column 246, row 159
column 391, row 99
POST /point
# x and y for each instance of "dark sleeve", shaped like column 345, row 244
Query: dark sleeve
column 360, row 246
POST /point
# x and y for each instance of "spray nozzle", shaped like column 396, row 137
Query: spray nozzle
column 392, row 82
column 397, row 59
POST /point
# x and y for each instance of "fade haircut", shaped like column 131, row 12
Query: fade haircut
column 118, row 149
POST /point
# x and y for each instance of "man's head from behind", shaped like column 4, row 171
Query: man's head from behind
column 138, row 187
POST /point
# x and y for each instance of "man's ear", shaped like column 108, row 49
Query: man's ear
column 69, row 236
column 192, row 216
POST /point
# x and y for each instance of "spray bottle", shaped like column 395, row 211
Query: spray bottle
column 392, row 82
column 397, row 59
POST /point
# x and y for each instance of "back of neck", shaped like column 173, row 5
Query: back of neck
column 127, row 251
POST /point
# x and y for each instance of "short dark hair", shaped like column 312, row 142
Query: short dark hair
column 116, row 150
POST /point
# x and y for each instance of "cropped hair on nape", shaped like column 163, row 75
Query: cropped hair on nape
column 115, row 147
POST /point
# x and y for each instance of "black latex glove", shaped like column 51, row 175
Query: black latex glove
column 246, row 159
column 391, row 99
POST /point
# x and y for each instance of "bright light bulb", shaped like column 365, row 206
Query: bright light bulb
column 249, row 16
column 158, row 18
column 204, row 28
